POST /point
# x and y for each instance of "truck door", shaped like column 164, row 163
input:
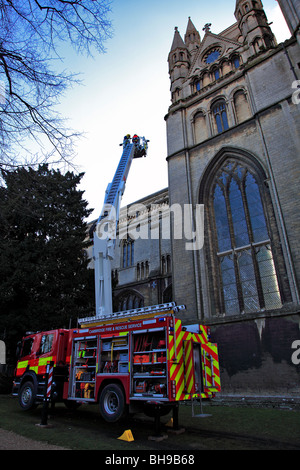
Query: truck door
column 196, row 376
column 190, row 364
column 45, row 352
column 197, row 367
column 210, row 368
column 83, row 368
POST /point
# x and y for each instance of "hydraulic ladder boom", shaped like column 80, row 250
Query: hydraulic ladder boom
column 105, row 229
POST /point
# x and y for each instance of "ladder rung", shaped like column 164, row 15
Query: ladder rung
column 133, row 312
column 201, row 414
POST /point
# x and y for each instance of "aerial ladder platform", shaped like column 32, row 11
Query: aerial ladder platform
column 104, row 230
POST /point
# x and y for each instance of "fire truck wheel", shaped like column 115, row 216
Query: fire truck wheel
column 27, row 396
column 112, row 403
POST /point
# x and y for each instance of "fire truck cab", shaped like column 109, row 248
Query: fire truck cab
column 35, row 351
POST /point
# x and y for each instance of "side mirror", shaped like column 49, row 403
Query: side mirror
column 18, row 350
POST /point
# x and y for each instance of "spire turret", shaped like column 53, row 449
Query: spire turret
column 179, row 61
column 178, row 42
column 192, row 37
column 254, row 26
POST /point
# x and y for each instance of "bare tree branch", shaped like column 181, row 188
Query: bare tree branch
column 30, row 34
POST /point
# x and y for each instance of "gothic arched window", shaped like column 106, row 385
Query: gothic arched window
column 220, row 114
column 216, row 74
column 129, row 300
column 197, row 85
column 236, row 61
column 244, row 273
column 127, row 253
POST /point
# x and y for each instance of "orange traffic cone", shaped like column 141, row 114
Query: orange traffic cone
column 126, row 436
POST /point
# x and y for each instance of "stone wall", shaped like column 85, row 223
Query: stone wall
column 256, row 356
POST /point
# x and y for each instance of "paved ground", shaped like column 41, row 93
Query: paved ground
column 11, row 441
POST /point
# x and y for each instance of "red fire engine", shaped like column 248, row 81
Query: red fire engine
column 124, row 361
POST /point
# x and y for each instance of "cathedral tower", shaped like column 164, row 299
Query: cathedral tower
column 232, row 145
column 179, row 63
column 254, row 25
column 291, row 12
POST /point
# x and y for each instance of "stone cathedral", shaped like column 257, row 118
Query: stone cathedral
column 233, row 150
column 234, row 147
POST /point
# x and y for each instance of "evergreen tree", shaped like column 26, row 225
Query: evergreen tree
column 44, row 275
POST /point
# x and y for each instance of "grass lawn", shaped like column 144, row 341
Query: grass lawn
column 227, row 429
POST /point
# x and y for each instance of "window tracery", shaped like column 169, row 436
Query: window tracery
column 244, row 272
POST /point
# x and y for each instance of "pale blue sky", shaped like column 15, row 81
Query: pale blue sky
column 127, row 90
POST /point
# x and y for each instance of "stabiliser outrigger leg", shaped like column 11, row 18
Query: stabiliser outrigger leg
column 158, row 435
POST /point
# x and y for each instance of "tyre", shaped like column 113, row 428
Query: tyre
column 112, row 403
column 27, row 396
